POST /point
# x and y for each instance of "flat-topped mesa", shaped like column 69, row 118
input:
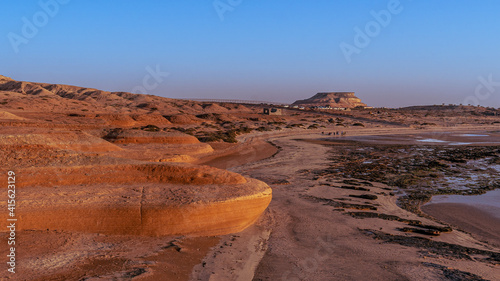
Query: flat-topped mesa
column 332, row 99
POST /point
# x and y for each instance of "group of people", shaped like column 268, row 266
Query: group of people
column 336, row 133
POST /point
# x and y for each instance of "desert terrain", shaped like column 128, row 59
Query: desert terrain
column 121, row 186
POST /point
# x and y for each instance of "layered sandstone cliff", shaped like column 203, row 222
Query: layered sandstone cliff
column 105, row 162
column 138, row 199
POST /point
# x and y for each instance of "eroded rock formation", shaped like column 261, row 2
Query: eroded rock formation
column 139, row 199
column 104, row 162
column 332, row 99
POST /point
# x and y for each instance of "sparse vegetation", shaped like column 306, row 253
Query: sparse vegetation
column 313, row 126
column 263, row 129
column 229, row 136
column 150, row 128
column 298, row 125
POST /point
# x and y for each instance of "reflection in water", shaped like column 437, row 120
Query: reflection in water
column 490, row 201
column 434, row 138
column 431, row 140
column 473, row 135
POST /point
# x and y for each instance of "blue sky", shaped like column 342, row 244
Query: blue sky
column 428, row 52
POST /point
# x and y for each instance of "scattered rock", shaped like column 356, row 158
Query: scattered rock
column 365, row 196
column 420, row 231
column 436, row 247
column 362, row 215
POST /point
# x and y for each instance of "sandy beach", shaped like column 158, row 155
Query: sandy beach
column 311, row 240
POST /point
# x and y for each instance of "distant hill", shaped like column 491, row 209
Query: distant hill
column 332, row 99
column 63, row 98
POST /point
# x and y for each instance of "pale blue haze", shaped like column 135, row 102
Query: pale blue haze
column 432, row 52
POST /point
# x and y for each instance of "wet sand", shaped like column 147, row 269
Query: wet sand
column 489, row 201
column 481, row 138
column 309, row 240
column 236, row 156
column 475, row 220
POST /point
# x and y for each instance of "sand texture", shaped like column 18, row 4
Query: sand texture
column 120, row 186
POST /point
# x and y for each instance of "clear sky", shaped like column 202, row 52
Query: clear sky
column 391, row 53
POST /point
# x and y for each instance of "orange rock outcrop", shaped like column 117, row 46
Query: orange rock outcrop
column 105, row 162
column 138, row 199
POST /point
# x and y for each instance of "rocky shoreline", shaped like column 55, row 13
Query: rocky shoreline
column 317, row 200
